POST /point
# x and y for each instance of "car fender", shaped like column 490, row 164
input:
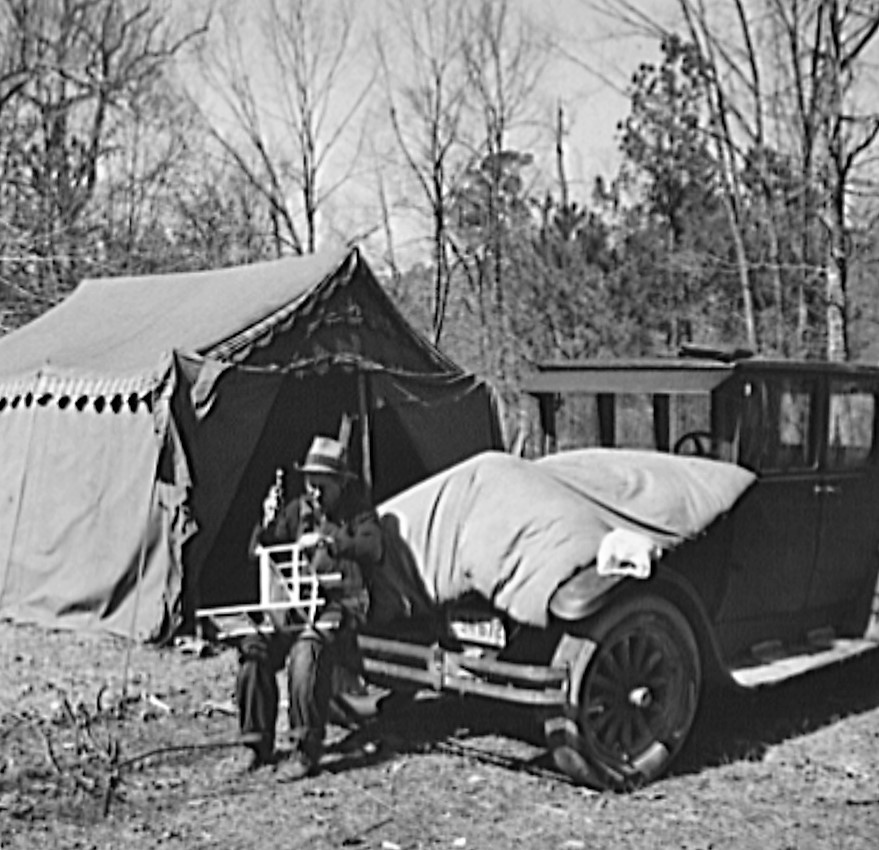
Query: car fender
column 582, row 594
column 586, row 593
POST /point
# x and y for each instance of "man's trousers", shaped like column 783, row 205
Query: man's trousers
column 309, row 657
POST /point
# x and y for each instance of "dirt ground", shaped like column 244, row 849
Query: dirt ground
column 84, row 764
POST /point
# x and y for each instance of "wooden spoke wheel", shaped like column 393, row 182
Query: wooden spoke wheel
column 636, row 680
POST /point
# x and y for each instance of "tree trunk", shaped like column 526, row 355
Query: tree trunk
column 742, row 267
column 835, row 294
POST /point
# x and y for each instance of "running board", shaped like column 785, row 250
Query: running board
column 776, row 666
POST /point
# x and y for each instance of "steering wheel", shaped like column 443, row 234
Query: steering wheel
column 701, row 444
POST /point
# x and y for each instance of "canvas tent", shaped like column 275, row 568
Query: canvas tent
column 142, row 419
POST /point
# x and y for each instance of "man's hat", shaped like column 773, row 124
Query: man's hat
column 326, row 457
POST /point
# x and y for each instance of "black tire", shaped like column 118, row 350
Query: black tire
column 636, row 679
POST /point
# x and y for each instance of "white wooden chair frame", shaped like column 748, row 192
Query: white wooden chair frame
column 286, row 583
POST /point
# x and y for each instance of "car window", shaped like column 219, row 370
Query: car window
column 778, row 422
column 577, row 423
column 851, row 425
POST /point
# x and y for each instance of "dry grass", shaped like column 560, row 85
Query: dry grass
column 796, row 767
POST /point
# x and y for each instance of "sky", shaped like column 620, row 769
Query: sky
column 592, row 84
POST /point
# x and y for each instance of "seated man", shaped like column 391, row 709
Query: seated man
column 333, row 516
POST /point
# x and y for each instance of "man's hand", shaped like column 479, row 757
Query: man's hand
column 316, row 540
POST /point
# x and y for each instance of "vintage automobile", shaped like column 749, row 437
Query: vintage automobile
column 704, row 521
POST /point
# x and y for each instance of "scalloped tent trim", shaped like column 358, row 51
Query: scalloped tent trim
column 113, row 393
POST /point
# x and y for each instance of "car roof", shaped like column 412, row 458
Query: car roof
column 672, row 375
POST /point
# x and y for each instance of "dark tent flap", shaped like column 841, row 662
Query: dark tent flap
column 247, row 421
column 422, row 424
column 221, row 413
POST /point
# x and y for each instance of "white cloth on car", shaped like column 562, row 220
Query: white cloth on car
column 623, row 552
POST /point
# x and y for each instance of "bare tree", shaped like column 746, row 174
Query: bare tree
column 728, row 152
column 827, row 54
column 14, row 70
column 283, row 116
column 784, row 81
column 70, row 73
column 505, row 61
column 156, row 155
column 813, row 66
column 426, row 93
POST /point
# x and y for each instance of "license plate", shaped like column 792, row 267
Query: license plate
column 488, row 631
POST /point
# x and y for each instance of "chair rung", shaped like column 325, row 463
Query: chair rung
column 285, row 576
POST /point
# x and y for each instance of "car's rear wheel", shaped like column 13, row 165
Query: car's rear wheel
column 636, row 677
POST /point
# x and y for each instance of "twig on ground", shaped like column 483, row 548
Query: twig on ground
column 17, row 719
column 358, row 836
column 154, row 701
column 212, row 745
column 104, row 754
column 50, row 754
column 68, row 709
column 83, row 782
column 227, row 707
column 112, row 777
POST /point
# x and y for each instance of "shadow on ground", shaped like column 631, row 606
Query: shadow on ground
column 743, row 725
column 731, row 726
column 480, row 729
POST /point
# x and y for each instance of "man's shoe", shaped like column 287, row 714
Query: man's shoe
column 261, row 750
column 361, row 743
column 258, row 760
column 296, row 767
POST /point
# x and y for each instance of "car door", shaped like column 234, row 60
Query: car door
column 846, row 564
column 775, row 534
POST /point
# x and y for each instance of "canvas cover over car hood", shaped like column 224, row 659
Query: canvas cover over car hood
column 512, row 529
